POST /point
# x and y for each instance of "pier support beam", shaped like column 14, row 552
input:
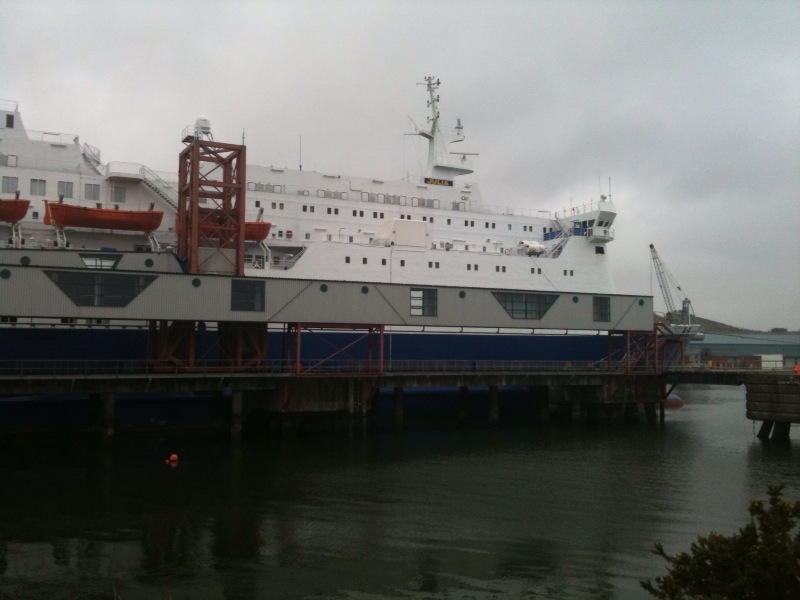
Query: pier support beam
column 101, row 415
column 781, row 431
column 463, row 404
column 398, row 407
column 236, row 416
column 555, row 400
column 493, row 411
column 765, row 430
column 351, row 398
column 575, row 405
column 219, row 410
column 775, row 402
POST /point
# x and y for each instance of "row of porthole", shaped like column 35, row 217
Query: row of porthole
column 5, row 274
column 365, row 290
column 575, row 299
column 26, row 260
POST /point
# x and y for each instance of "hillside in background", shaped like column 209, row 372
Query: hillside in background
column 710, row 326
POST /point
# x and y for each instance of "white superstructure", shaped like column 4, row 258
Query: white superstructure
column 433, row 231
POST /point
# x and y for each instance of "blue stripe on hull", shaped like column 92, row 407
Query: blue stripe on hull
column 20, row 343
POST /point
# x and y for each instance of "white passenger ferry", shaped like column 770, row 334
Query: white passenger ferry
column 436, row 229
column 414, row 256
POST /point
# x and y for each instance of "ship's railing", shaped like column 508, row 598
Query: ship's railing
column 158, row 185
column 116, row 168
column 9, row 105
column 93, row 152
column 116, row 368
column 52, row 137
column 362, row 194
column 23, row 368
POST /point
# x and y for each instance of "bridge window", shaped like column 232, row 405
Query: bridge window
column 247, row 295
column 521, row 305
column 601, row 309
column 423, row 302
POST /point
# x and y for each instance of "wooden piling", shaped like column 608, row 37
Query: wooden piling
column 398, row 407
column 101, row 415
column 236, row 415
column 493, row 409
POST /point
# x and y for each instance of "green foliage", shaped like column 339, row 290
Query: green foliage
column 761, row 560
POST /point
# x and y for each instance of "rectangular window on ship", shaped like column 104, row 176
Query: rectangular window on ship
column 247, row 295
column 65, row 189
column 10, row 184
column 38, row 187
column 118, row 194
column 91, row 191
column 601, row 309
column 423, row 302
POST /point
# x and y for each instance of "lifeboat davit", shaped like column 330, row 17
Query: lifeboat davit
column 13, row 211
column 60, row 214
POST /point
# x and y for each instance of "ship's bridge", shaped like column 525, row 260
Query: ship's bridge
column 592, row 221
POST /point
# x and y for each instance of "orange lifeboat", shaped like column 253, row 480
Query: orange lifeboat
column 72, row 215
column 256, row 231
column 13, row 211
column 211, row 226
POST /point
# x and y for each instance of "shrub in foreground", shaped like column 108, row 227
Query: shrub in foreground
column 761, row 560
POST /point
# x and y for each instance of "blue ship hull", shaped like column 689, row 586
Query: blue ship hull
column 429, row 405
column 98, row 343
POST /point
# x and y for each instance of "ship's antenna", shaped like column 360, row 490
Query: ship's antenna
column 300, row 153
column 242, row 136
column 609, row 187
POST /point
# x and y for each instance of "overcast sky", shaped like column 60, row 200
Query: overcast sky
column 691, row 109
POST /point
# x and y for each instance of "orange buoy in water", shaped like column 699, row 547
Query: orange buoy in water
column 673, row 401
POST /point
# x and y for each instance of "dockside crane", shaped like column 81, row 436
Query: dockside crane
column 679, row 321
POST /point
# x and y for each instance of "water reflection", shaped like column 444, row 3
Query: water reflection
column 525, row 512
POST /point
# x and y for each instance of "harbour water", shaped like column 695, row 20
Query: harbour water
column 532, row 511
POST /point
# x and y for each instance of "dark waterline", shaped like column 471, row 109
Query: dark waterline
column 527, row 512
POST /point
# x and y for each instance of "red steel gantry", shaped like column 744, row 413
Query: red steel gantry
column 211, row 238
